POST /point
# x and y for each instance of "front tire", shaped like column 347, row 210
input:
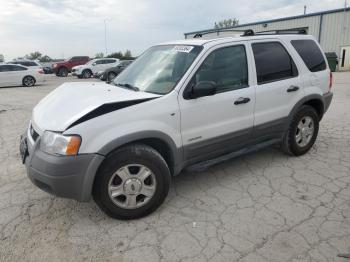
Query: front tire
column 28, row 81
column 132, row 182
column 86, row 74
column 111, row 76
column 63, row 72
column 302, row 132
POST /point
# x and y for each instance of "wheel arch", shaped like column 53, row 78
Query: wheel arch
column 155, row 139
column 62, row 66
column 87, row 69
column 315, row 100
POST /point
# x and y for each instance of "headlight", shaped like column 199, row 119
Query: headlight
column 54, row 65
column 58, row 144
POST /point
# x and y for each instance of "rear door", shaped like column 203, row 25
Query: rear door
column 108, row 63
column 217, row 124
column 278, row 87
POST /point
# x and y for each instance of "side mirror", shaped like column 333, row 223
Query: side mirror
column 203, row 88
column 93, row 64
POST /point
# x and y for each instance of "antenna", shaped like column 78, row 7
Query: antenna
column 305, row 9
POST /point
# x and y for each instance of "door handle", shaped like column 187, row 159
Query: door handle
column 242, row 100
column 292, row 89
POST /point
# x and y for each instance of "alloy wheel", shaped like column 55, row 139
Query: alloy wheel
column 132, row 186
column 305, row 131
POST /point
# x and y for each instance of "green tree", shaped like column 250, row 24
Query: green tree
column 45, row 58
column 226, row 23
column 99, row 55
column 118, row 55
column 33, row 56
column 127, row 54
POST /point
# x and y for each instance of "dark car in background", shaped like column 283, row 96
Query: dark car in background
column 64, row 67
column 109, row 74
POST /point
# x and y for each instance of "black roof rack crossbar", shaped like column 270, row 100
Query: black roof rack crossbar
column 245, row 32
column 301, row 31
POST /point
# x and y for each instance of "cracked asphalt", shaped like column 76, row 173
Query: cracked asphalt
column 262, row 207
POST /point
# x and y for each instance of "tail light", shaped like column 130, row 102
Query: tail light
column 330, row 80
column 41, row 71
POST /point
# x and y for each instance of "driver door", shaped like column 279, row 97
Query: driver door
column 223, row 122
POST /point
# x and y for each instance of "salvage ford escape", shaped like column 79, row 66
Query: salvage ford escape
column 179, row 104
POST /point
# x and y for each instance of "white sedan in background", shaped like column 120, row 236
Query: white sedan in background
column 17, row 75
column 94, row 66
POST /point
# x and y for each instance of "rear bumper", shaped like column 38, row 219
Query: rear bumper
column 64, row 176
column 327, row 99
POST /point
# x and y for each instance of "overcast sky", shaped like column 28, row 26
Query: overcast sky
column 62, row 28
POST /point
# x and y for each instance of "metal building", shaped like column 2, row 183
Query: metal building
column 331, row 28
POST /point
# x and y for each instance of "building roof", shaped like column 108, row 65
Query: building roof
column 273, row 20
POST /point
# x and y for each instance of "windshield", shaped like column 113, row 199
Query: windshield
column 159, row 69
column 91, row 62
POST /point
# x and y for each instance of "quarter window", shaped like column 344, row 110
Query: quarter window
column 311, row 54
column 273, row 63
column 226, row 67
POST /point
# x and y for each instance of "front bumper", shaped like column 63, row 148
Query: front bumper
column 64, row 176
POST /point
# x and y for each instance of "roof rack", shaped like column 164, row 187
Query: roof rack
column 250, row 32
column 245, row 32
column 301, row 31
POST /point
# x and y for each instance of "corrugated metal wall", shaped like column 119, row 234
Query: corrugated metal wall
column 335, row 27
column 335, row 31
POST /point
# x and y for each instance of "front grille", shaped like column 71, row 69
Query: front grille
column 33, row 133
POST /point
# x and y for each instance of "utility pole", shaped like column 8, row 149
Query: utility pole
column 105, row 22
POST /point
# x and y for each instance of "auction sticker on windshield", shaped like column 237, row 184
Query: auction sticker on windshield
column 183, row 48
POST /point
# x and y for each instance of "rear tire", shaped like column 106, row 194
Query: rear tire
column 63, row 72
column 302, row 132
column 28, row 81
column 132, row 171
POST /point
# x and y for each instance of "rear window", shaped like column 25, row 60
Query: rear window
column 311, row 54
column 273, row 62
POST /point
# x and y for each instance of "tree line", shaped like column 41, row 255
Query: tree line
column 45, row 58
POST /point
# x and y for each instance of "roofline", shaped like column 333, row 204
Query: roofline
column 271, row 20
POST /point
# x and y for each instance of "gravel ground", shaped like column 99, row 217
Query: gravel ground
column 262, row 207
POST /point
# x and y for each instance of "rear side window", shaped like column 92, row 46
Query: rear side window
column 16, row 68
column 4, row 68
column 273, row 62
column 311, row 54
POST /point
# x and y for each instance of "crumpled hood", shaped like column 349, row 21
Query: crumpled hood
column 71, row 101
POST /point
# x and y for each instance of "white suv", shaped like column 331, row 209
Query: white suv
column 179, row 104
column 93, row 66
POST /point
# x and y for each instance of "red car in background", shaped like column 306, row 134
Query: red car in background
column 64, row 67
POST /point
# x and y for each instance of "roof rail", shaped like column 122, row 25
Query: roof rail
column 245, row 32
column 250, row 32
column 302, row 31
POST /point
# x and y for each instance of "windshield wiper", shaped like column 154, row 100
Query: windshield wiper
column 128, row 86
